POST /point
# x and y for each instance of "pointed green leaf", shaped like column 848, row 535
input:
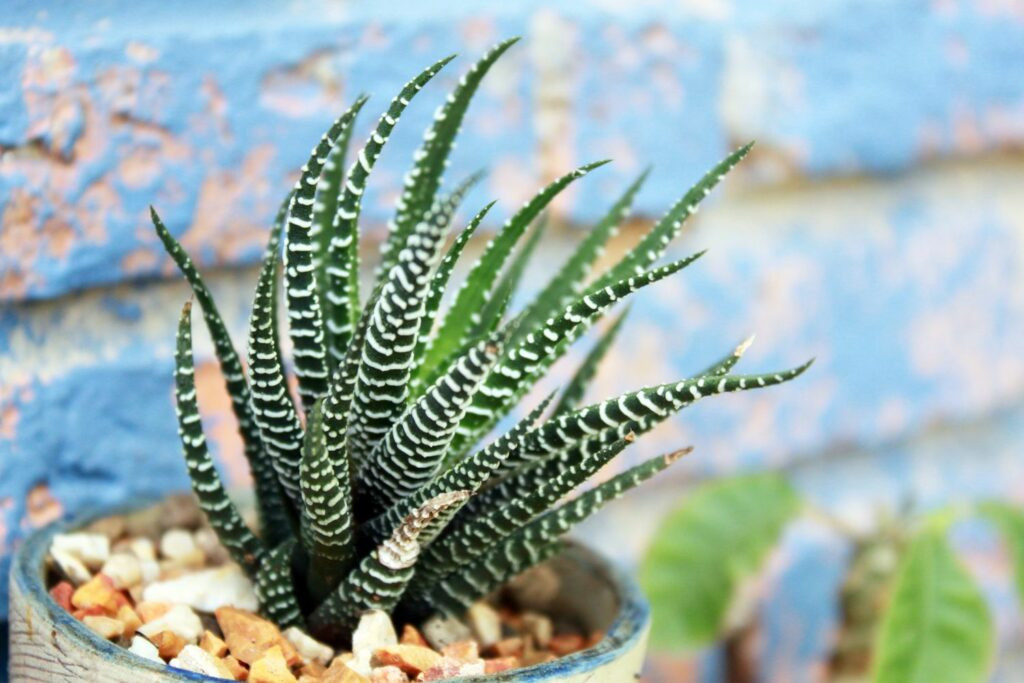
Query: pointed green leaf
column 702, row 552
column 275, row 589
column 411, row 452
column 501, row 297
column 726, row 363
column 430, row 161
column 273, row 409
column 539, row 350
column 326, row 498
column 636, row 411
column 342, row 266
column 465, row 310
column 382, row 383
column 438, row 284
column 223, row 516
column 464, row 542
column 536, row 541
column 936, row 626
column 576, row 389
column 468, row 475
column 569, row 279
column 381, row 577
column 305, row 313
column 653, row 245
column 273, row 511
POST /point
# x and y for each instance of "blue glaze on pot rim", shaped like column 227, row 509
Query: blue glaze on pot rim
column 621, row 636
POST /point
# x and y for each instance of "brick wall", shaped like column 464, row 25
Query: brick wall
column 879, row 225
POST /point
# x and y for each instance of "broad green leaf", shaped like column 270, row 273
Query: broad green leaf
column 720, row 535
column 1010, row 522
column 936, row 626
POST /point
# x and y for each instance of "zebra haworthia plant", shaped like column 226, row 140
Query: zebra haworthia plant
column 371, row 489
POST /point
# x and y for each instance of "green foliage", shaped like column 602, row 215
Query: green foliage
column 370, row 486
column 1010, row 522
column 937, row 626
column 702, row 552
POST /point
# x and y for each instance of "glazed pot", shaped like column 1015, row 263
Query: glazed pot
column 48, row 644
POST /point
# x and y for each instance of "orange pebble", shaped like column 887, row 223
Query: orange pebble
column 493, row 666
column 127, row 616
column 412, row 636
column 61, row 594
column 566, row 643
column 168, row 643
column 99, row 592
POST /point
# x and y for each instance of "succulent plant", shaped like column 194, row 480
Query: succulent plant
column 371, row 489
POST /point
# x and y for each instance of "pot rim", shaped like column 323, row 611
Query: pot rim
column 622, row 635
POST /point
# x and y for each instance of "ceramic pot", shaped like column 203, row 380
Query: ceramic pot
column 48, row 644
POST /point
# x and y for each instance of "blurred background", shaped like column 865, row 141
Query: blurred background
column 878, row 226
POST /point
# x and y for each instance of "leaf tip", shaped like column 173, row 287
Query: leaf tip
column 677, row 454
column 743, row 346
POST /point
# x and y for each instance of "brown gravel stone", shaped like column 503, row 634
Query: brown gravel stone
column 485, row 623
column 168, row 643
column 105, row 627
column 412, row 659
column 388, row 674
column 313, row 669
column 96, row 592
column 464, row 651
column 213, row 644
column 508, row 647
column 127, row 616
column 248, row 636
column 538, row 626
column 271, row 667
column 536, row 657
column 61, row 594
column 339, row 671
column 566, row 643
column 493, row 666
column 148, row 611
column 410, row 636
column 237, row 669
column 448, row 668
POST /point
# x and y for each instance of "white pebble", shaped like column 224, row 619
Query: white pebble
column 440, row 631
column 124, row 569
column 485, row 623
column 373, row 632
column 177, row 544
column 308, row 647
column 71, row 566
column 145, row 649
column 206, row 590
column 92, row 549
column 178, row 619
column 142, row 548
column 194, row 658
column 150, row 570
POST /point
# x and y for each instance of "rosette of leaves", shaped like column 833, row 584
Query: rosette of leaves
column 376, row 487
